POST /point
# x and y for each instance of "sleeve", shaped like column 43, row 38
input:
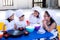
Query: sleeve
column 5, row 22
column 25, row 23
column 41, row 30
column 38, row 21
column 30, row 18
column 16, row 23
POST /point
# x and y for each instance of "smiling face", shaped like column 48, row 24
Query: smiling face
column 21, row 18
column 36, row 13
column 11, row 17
column 46, row 16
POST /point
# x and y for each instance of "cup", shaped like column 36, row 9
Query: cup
column 1, row 34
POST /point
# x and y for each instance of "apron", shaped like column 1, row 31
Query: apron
column 9, row 25
column 34, row 20
column 21, row 24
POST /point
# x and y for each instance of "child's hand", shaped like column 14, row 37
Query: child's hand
column 44, row 22
column 28, row 23
column 21, row 29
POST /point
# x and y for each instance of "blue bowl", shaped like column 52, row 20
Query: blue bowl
column 30, row 29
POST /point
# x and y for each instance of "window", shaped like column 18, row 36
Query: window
column 7, row 2
column 41, row 3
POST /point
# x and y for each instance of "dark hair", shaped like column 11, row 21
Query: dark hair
column 9, row 20
column 22, row 16
column 51, row 19
column 47, row 13
column 38, row 14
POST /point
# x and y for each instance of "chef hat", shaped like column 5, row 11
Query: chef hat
column 19, row 13
column 9, row 13
column 52, row 13
column 37, row 8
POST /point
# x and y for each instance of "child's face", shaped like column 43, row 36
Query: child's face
column 21, row 18
column 46, row 17
column 35, row 13
column 12, row 17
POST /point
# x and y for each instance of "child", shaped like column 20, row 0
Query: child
column 9, row 22
column 50, row 25
column 21, row 23
column 35, row 16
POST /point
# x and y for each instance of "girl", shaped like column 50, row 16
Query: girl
column 50, row 25
column 21, row 23
column 35, row 16
column 9, row 22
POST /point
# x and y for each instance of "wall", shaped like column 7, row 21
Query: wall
column 55, row 3
column 59, row 3
column 20, row 4
column 17, row 4
column 24, row 3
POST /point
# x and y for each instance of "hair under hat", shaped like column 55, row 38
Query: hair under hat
column 37, row 8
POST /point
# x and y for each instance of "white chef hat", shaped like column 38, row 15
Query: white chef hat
column 19, row 13
column 52, row 14
column 9, row 13
column 37, row 8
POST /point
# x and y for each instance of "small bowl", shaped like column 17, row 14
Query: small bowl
column 30, row 28
column 37, row 28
